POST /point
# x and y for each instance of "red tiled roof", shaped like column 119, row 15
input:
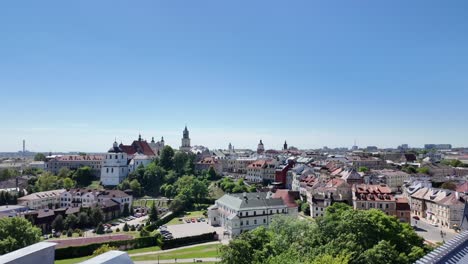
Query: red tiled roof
column 287, row 196
column 402, row 204
column 141, row 147
column 463, row 188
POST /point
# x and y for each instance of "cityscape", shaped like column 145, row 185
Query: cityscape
column 307, row 132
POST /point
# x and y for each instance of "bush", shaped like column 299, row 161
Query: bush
column 87, row 250
column 132, row 228
column 69, row 233
column 117, row 229
column 103, row 249
column 125, row 228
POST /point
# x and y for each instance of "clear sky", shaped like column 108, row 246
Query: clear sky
column 76, row 74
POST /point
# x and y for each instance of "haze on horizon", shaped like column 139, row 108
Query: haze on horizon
column 76, row 75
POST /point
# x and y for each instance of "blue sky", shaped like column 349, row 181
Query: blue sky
column 76, row 74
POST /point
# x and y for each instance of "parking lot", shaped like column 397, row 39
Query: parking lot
column 192, row 229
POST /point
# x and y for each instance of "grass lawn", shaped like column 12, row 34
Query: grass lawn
column 205, row 251
column 132, row 251
column 193, row 214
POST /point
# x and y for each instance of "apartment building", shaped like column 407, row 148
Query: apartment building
column 41, row 200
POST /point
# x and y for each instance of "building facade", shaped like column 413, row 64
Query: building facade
column 238, row 213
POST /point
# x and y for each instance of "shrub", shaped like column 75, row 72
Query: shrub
column 69, row 233
column 117, row 229
column 100, row 229
column 177, row 242
column 125, row 228
column 103, row 249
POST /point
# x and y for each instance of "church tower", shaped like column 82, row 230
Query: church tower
column 260, row 147
column 185, row 140
column 285, row 146
column 114, row 168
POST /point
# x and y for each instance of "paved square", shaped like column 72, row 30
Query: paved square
column 192, row 229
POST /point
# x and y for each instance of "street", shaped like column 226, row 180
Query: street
column 432, row 233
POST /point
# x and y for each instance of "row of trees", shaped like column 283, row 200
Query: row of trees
column 7, row 198
column 6, row 174
column 343, row 236
column 88, row 217
column 66, row 178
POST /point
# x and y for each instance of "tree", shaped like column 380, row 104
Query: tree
column 166, row 158
column 179, row 160
column 126, row 210
column 212, row 174
column 68, row 183
column 100, row 229
column 96, row 216
column 423, row 170
column 103, row 249
column 363, row 169
column 125, row 228
column 47, row 182
column 449, row 186
column 39, row 157
column 16, row 233
column 64, row 172
column 305, row 208
column 83, row 176
column 71, row 221
column 69, row 232
column 136, row 187
column 83, row 220
column 153, row 179
column 153, row 213
column 342, row 235
column 57, row 224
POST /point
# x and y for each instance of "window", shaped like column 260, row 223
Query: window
column 255, row 213
column 362, row 205
column 255, row 222
column 380, row 206
column 107, row 170
column 247, row 222
column 386, row 206
column 246, row 213
column 264, row 220
column 277, row 211
column 242, row 223
column 240, row 214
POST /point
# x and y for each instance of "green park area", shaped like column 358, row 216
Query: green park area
column 203, row 251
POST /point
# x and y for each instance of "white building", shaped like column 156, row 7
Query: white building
column 41, row 200
column 90, row 197
column 241, row 212
column 115, row 166
column 137, row 160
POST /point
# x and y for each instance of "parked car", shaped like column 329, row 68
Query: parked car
column 193, row 220
column 187, row 220
column 416, row 217
column 435, row 225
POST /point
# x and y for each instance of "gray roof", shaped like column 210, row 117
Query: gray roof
column 250, row 200
column 454, row 251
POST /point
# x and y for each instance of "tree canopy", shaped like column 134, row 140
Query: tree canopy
column 39, row 157
column 343, row 235
column 16, row 233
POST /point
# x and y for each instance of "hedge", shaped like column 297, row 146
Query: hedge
column 182, row 241
column 87, row 250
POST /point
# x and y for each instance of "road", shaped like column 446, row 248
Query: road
column 432, row 233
